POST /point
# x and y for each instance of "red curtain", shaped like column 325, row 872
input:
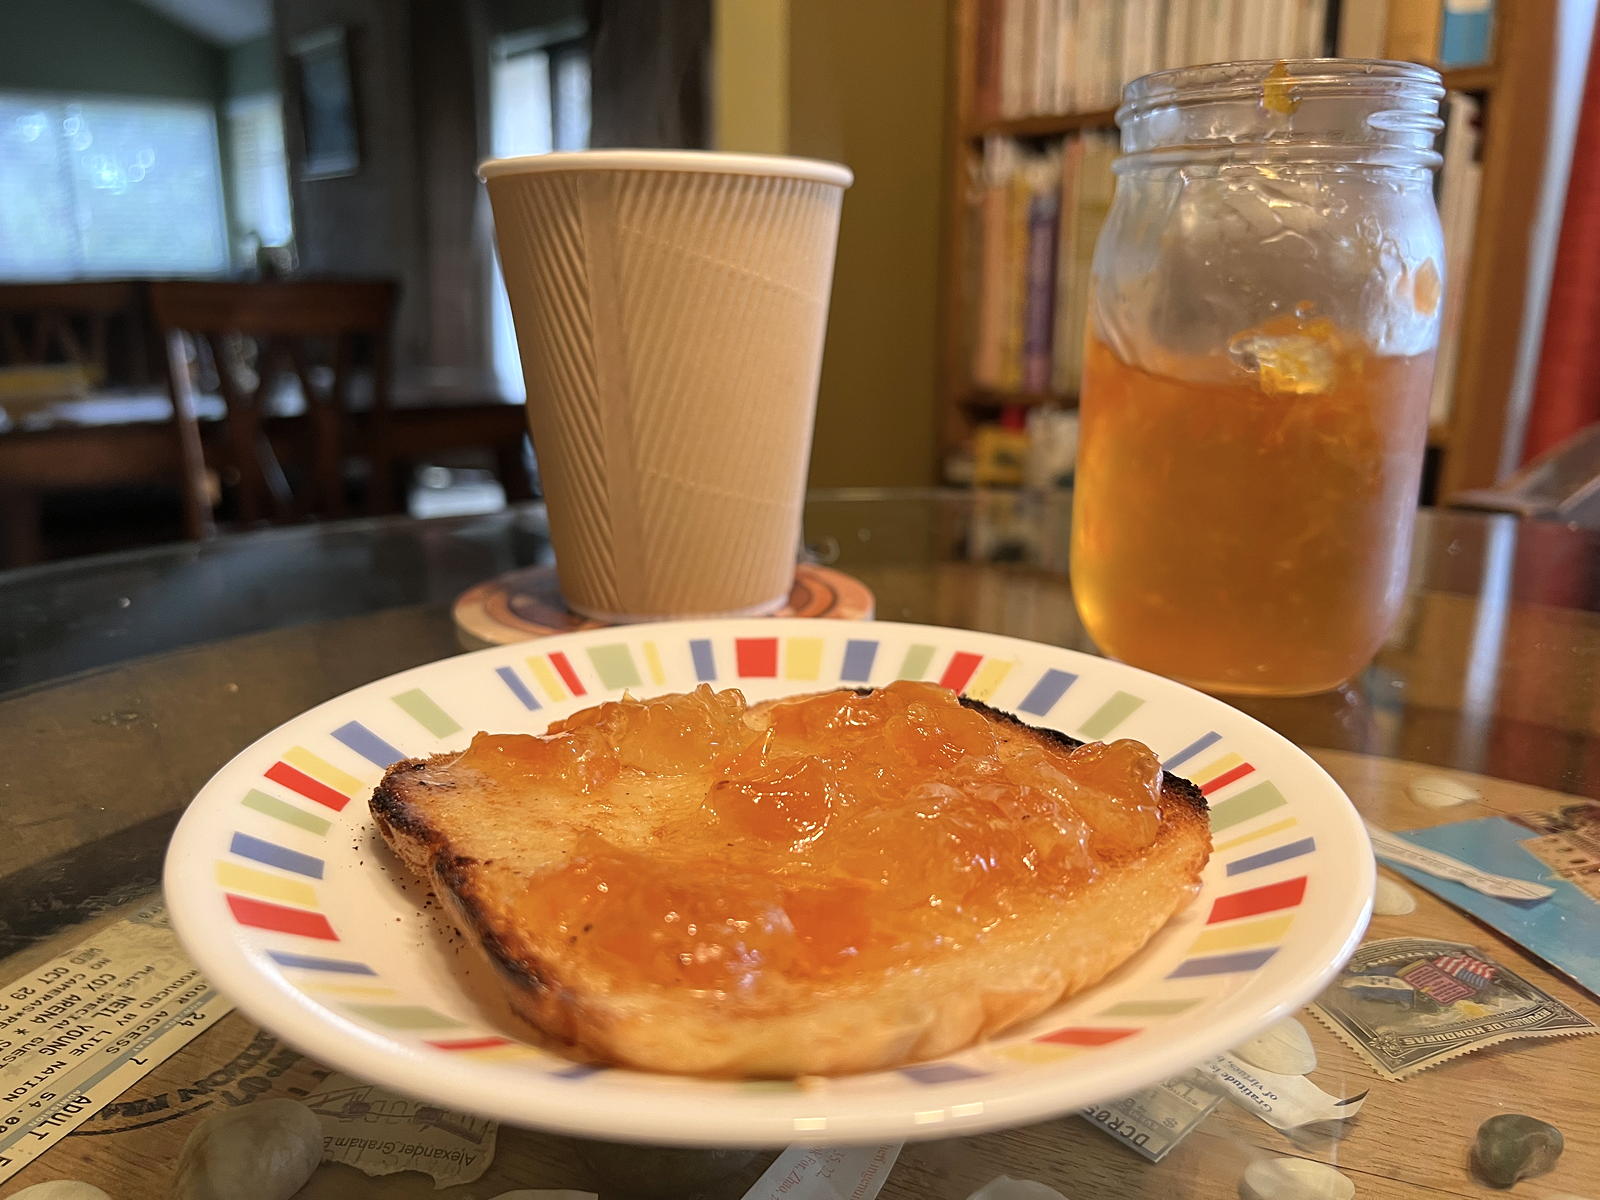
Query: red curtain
column 1567, row 396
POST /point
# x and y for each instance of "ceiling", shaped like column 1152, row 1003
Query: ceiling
column 225, row 22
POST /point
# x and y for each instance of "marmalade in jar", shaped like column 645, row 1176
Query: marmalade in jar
column 1242, row 522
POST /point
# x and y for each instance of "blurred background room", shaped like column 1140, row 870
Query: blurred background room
column 247, row 275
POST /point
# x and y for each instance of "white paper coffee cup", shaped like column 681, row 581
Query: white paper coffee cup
column 670, row 310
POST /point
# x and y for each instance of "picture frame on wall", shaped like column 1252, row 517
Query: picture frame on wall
column 324, row 90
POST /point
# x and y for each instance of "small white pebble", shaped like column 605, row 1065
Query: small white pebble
column 266, row 1151
column 1294, row 1179
column 1442, row 791
column 1393, row 899
column 1003, row 1187
column 60, row 1189
column 1283, row 1047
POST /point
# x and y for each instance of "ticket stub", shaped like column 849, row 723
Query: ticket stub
column 79, row 1029
column 826, row 1173
column 1151, row 1122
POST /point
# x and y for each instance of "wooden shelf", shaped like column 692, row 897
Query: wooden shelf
column 988, row 398
column 1048, row 125
column 1470, row 79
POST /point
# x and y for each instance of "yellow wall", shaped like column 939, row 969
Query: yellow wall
column 865, row 85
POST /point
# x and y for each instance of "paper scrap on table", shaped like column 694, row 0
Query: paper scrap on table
column 380, row 1133
column 1003, row 1187
column 1396, row 849
column 1282, row 1101
column 77, row 1031
column 1151, row 1122
column 826, row 1173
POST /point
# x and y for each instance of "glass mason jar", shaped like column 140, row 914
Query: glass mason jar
column 1262, row 326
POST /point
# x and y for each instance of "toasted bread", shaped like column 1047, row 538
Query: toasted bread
column 480, row 841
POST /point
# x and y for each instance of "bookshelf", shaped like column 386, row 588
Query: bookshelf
column 1512, row 89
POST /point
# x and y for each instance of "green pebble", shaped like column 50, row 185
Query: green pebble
column 1513, row 1146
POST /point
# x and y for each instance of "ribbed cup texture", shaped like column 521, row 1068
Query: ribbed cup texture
column 671, row 327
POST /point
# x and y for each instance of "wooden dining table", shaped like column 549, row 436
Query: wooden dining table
column 126, row 435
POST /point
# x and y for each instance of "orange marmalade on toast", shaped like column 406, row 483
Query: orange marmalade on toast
column 819, row 836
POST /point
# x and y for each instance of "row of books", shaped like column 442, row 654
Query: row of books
column 1033, row 218
column 1058, row 56
column 1035, row 213
column 1446, row 33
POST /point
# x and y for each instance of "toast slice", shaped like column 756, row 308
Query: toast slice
column 672, row 907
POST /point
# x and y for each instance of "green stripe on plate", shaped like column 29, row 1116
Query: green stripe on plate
column 915, row 663
column 1110, row 714
column 287, row 813
column 419, row 706
column 614, row 664
column 1262, row 798
column 403, row 1016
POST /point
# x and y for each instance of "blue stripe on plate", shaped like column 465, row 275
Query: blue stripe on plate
column 367, row 744
column 1267, row 857
column 518, row 688
column 1223, row 964
column 1189, row 751
column 705, row 664
column 1052, row 685
column 275, row 855
column 307, row 962
column 858, row 657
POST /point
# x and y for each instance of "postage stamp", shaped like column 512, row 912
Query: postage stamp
column 1406, row 1004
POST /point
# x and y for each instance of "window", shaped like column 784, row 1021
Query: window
column 538, row 101
column 106, row 187
column 258, row 174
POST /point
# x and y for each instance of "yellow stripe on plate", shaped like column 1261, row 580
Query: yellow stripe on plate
column 505, row 1054
column 802, row 658
column 545, row 676
column 1275, row 827
column 239, row 878
column 652, row 660
column 1035, row 1052
column 322, row 770
column 1265, row 932
column 367, row 991
column 1215, row 767
column 989, row 677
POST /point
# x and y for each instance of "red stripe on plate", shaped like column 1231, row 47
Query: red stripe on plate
column 558, row 660
column 1086, row 1037
column 299, row 781
column 962, row 665
column 1227, row 777
column 482, row 1043
column 277, row 917
column 758, row 657
column 1258, row 900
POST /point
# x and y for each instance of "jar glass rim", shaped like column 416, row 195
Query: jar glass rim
column 1306, row 76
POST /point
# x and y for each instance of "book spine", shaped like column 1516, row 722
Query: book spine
column 1066, row 334
column 1011, row 57
column 1090, row 54
column 1066, row 54
column 986, row 70
column 1465, row 32
column 1043, row 219
column 1014, row 274
column 1175, row 49
column 1412, row 32
column 1362, row 26
column 1044, row 55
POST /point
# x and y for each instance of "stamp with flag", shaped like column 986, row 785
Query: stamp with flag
column 1406, row 1004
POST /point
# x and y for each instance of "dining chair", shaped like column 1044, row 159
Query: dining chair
column 94, row 324
column 328, row 341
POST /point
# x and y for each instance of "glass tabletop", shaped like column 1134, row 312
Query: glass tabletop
column 127, row 680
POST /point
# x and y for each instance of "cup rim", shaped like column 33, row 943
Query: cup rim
column 708, row 162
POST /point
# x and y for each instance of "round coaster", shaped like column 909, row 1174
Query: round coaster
column 525, row 604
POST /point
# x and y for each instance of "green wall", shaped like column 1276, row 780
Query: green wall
column 104, row 46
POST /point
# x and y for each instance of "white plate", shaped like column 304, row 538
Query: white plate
column 289, row 902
